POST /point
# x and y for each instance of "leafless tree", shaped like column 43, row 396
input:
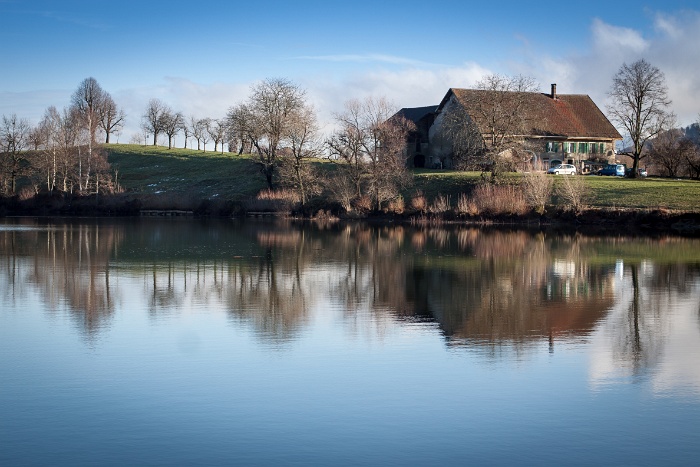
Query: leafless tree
column 50, row 126
column 666, row 152
column 89, row 100
column 187, row 131
column 153, row 118
column 202, row 132
column 171, row 124
column 373, row 146
column 217, row 131
column 111, row 117
column 295, row 170
column 237, row 122
column 14, row 140
column 265, row 120
column 639, row 105
column 36, row 138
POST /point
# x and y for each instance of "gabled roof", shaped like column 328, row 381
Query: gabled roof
column 415, row 114
column 566, row 116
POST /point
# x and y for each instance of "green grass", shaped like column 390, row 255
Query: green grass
column 183, row 173
column 604, row 192
column 155, row 170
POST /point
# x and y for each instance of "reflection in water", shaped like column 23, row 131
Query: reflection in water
column 634, row 300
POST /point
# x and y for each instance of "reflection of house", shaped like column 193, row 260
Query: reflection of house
column 563, row 128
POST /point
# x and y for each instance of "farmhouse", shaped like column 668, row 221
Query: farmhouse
column 553, row 128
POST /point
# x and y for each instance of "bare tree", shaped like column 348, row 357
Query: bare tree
column 373, row 146
column 639, row 105
column 153, row 118
column 89, row 100
column 296, row 171
column 196, row 129
column 237, row 118
column 217, row 131
column 666, row 152
column 50, row 125
column 111, row 117
column 171, row 124
column 265, row 119
column 36, row 138
column 187, row 131
column 14, row 140
column 203, row 126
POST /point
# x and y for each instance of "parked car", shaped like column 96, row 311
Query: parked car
column 640, row 173
column 613, row 170
column 563, row 169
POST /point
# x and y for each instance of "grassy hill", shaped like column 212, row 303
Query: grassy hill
column 182, row 178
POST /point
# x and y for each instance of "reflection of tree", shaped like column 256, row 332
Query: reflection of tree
column 69, row 267
column 486, row 287
column 648, row 295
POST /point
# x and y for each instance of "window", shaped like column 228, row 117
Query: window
column 571, row 147
column 602, row 148
column 583, row 148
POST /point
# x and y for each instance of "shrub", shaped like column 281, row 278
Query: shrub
column 284, row 200
column 397, row 205
column 499, row 199
column 441, row 204
column 362, row 204
column 537, row 189
column 466, row 205
column 572, row 193
column 419, row 202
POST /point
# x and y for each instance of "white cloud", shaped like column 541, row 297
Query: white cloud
column 671, row 45
column 614, row 39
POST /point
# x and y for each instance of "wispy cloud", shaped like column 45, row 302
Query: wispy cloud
column 365, row 58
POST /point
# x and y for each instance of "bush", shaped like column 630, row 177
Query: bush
column 284, row 200
column 572, row 193
column 397, row 206
column 466, row 205
column 419, row 202
column 499, row 199
column 537, row 189
column 363, row 204
column 441, row 204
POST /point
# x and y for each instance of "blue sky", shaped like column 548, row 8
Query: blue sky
column 202, row 57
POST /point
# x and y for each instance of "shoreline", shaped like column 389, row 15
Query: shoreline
column 595, row 219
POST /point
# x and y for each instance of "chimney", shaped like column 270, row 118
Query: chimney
column 554, row 90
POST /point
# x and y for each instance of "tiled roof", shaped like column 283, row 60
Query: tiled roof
column 567, row 116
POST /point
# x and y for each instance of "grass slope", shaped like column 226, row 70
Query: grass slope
column 190, row 176
column 184, row 173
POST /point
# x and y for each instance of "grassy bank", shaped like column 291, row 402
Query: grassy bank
column 188, row 176
column 215, row 183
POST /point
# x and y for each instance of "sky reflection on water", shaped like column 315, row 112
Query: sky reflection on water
column 213, row 342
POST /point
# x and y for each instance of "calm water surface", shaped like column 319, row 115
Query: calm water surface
column 222, row 342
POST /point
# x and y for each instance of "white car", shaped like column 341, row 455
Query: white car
column 563, row 169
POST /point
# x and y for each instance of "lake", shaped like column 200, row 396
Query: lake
column 184, row 341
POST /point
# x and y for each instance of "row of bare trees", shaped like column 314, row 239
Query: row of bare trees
column 368, row 146
column 159, row 118
column 61, row 152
